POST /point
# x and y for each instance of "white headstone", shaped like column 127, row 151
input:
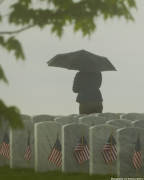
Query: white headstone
column 138, row 123
column 98, row 137
column 45, row 138
column 109, row 115
column 126, row 140
column 121, row 123
column 132, row 116
column 92, row 120
column 26, row 117
column 18, row 146
column 67, row 120
column 71, row 135
column 42, row 118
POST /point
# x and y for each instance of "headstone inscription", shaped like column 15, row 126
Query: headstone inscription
column 47, row 145
column 98, row 137
column 121, row 123
column 109, row 115
column 92, row 120
column 127, row 140
column 73, row 159
column 43, row 118
column 132, row 116
column 22, row 146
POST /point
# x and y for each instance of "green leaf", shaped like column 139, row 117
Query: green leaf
column 0, row 18
column 2, row 43
column 56, row 28
column 2, row 76
column 131, row 3
column 12, row 115
column 58, row 12
column 13, row 45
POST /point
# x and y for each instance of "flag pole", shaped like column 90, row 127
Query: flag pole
column 82, row 151
column 111, row 150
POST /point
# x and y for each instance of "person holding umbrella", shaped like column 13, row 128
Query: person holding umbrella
column 87, row 85
column 89, row 78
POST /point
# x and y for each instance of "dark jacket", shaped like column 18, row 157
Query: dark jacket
column 87, row 85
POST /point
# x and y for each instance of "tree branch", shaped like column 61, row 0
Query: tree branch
column 18, row 31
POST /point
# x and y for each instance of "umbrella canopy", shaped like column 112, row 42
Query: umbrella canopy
column 83, row 61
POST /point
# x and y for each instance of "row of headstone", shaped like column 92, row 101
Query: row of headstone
column 45, row 135
column 107, row 116
column 132, row 116
column 69, row 136
column 39, row 118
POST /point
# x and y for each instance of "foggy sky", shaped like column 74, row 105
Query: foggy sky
column 38, row 89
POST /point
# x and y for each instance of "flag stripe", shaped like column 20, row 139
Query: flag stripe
column 81, row 154
column 55, row 156
column 109, row 152
column 27, row 154
column 137, row 162
column 5, row 147
column 59, row 158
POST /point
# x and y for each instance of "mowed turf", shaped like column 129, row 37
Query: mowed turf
column 29, row 174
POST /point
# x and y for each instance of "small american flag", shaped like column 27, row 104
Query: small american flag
column 81, row 156
column 56, row 154
column 137, row 156
column 27, row 154
column 5, row 147
column 109, row 150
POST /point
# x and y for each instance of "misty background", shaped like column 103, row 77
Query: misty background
column 37, row 89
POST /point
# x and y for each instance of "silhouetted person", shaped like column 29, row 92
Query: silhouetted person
column 87, row 85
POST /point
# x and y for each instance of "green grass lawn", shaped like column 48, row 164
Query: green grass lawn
column 29, row 174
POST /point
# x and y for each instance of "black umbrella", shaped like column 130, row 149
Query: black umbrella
column 83, row 61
